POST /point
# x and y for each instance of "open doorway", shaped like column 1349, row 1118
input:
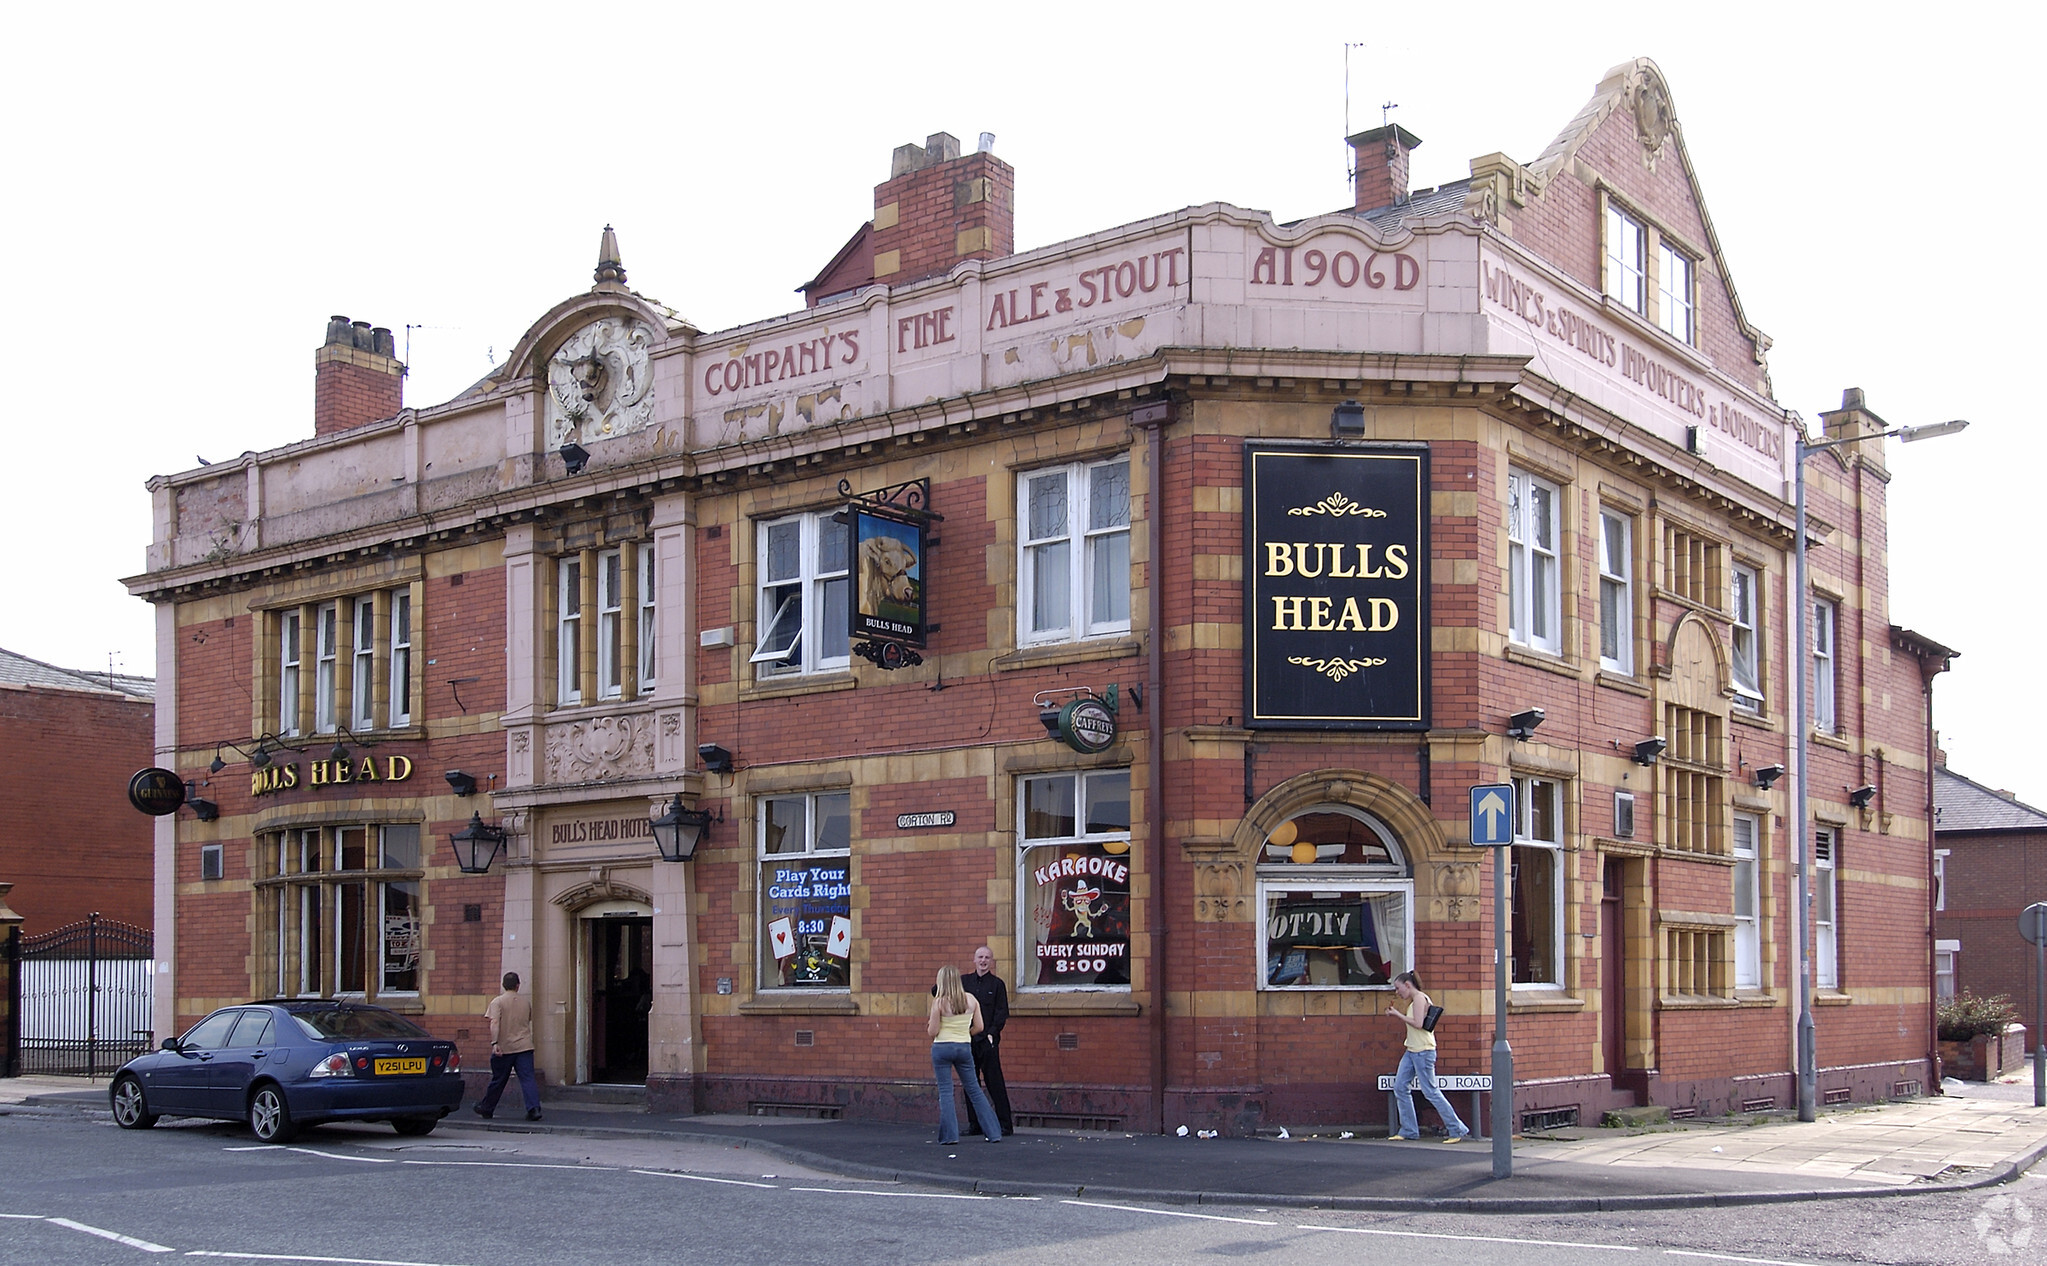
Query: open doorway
column 620, row 990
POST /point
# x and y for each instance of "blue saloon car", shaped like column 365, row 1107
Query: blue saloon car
column 288, row 1063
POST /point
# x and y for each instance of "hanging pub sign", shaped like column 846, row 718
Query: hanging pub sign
column 1336, row 586
column 887, row 613
column 156, row 791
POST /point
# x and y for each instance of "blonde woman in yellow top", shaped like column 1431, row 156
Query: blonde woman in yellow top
column 955, row 1018
column 1418, row 1062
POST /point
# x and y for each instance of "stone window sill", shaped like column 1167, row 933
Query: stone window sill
column 820, row 1003
column 1517, row 654
column 1536, row 1002
column 1068, row 653
column 1021, row 1003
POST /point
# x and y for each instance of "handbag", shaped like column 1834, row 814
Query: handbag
column 1429, row 1018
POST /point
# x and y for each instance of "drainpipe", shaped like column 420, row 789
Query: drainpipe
column 1152, row 418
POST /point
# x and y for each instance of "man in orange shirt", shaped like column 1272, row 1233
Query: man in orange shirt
column 511, row 1048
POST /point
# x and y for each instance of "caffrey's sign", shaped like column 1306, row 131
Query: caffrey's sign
column 1336, row 585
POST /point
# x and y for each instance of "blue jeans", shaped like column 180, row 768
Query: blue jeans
column 501, row 1069
column 1422, row 1065
column 946, row 1057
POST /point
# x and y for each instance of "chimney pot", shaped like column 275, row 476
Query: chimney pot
column 357, row 378
column 338, row 330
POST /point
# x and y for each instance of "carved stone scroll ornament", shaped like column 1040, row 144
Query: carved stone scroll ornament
column 1654, row 119
column 1456, row 897
column 1219, row 892
column 600, row 383
column 600, row 749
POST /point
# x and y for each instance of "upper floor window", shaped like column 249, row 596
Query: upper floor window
column 1536, row 935
column 1073, row 576
column 603, row 608
column 326, row 665
column 1674, row 293
column 610, row 624
column 1627, row 250
column 646, row 619
column 805, row 586
column 568, row 637
column 1534, row 601
column 1693, row 772
column 361, row 653
column 1742, row 607
column 362, row 668
column 1824, row 614
column 1616, row 594
column 401, row 658
column 288, row 672
column 1692, row 567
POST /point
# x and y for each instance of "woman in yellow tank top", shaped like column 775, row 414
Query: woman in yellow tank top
column 955, row 1018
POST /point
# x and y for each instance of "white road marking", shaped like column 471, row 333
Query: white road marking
column 26, row 1217
column 730, row 1182
column 301, row 1257
column 901, row 1195
column 367, row 1160
column 513, row 1165
column 1472, row 1239
column 115, row 1236
column 1169, row 1213
column 205, row 1252
column 1679, row 1252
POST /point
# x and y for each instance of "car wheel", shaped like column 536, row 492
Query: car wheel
column 131, row 1109
column 413, row 1127
column 270, row 1116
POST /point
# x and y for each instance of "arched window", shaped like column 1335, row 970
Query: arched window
column 1336, row 899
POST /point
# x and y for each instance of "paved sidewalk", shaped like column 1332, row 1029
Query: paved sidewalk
column 1972, row 1137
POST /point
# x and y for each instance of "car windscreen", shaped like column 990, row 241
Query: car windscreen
column 349, row 1023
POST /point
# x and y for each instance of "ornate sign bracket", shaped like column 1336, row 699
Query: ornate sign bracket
column 905, row 500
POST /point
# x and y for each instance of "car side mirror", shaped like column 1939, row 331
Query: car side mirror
column 171, row 1044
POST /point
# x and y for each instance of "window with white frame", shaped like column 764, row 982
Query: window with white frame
column 326, row 664
column 1945, row 955
column 1940, row 856
column 362, row 669
column 1073, row 574
column 288, row 673
column 1826, row 842
column 401, row 658
column 1743, row 598
column 1748, row 941
column 1627, row 243
column 1073, row 880
column 1824, row 614
column 1336, row 902
column 806, row 919
column 1674, row 313
column 1535, row 604
column 1536, row 932
column 1616, row 593
column 610, row 624
column 804, row 621
column 568, row 632
column 647, row 611
column 346, row 906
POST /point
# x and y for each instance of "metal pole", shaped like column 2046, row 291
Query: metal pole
column 92, row 994
column 1503, row 1055
column 2040, row 1013
column 1801, row 810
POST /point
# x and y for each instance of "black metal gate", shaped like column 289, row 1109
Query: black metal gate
column 82, row 998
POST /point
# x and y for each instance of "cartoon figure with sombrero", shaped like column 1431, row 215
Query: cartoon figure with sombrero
column 1081, row 901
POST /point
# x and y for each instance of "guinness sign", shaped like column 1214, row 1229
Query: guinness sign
column 1336, row 586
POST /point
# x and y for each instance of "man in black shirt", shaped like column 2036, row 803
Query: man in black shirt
column 988, row 990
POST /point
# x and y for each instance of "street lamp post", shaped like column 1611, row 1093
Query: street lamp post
column 1808, row 1038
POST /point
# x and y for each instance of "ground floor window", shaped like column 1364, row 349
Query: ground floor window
column 1335, row 902
column 346, row 906
column 1073, row 873
column 1537, row 921
column 806, row 922
column 1944, row 955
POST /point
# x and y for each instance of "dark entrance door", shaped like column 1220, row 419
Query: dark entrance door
column 621, row 958
column 1613, row 1015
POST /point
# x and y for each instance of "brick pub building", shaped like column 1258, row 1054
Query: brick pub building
column 1142, row 605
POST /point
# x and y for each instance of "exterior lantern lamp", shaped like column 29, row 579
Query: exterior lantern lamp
column 1801, row 810
column 476, row 846
column 678, row 832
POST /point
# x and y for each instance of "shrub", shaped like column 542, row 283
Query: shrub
column 1966, row 1015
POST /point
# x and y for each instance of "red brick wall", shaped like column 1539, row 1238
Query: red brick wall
column 938, row 203
column 72, row 843
column 1991, row 877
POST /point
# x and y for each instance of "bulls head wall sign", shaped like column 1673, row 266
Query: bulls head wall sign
column 1336, row 586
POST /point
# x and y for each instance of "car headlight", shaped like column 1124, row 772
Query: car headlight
column 332, row 1066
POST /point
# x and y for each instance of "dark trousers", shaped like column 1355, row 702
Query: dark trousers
column 988, row 1068
column 501, row 1069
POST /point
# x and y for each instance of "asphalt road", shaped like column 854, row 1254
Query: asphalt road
column 75, row 1189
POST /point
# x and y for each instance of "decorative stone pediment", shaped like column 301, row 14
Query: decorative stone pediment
column 600, row 888
column 599, row 749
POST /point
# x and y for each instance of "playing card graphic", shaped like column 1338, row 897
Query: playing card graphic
column 782, row 937
column 841, row 943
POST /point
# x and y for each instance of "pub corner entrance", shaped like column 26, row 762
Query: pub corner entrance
column 617, row 994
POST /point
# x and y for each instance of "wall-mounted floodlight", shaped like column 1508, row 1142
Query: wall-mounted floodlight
column 716, row 759
column 463, row 784
column 1861, row 796
column 1522, row 724
column 574, row 457
column 1767, row 775
column 1347, row 421
column 1649, row 749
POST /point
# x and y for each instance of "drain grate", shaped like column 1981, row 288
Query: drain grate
column 806, row 1037
column 1906, row 1090
column 815, row 1111
column 1685, row 1113
column 1068, row 1121
column 1843, row 1095
column 1069, row 1041
column 1549, row 1119
column 1759, row 1105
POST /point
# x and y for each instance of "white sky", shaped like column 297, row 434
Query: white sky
column 196, row 187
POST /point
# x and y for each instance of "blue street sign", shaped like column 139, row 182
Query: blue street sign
column 1492, row 815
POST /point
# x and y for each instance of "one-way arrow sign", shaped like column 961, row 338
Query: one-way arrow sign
column 1492, row 815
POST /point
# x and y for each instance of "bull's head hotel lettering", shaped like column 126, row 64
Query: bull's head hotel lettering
column 329, row 773
column 1336, row 583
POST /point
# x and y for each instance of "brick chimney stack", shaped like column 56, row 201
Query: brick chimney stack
column 1380, row 157
column 938, row 208
column 357, row 377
